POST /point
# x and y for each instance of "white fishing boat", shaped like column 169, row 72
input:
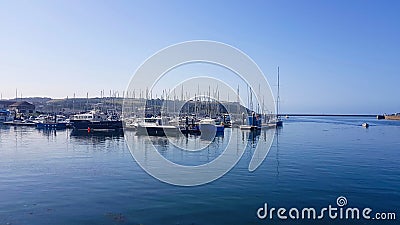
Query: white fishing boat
column 207, row 126
column 211, row 125
column 131, row 123
column 156, row 126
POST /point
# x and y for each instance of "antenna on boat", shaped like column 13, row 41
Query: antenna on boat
column 87, row 101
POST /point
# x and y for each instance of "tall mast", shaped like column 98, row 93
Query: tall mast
column 251, row 100
column 238, row 100
column 277, row 98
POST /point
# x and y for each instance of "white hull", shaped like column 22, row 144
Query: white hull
column 208, row 128
column 207, row 131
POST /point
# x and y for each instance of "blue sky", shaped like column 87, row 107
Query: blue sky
column 334, row 56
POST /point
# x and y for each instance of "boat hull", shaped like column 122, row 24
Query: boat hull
column 18, row 123
column 208, row 128
column 84, row 133
column 157, row 130
column 96, row 125
column 249, row 127
column 191, row 129
column 208, row 131
column 220, row 128
column 57, row 126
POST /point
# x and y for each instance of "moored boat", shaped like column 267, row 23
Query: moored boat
column 209, row 128
column 188, row 125
column 56, row 122
column 95, row 121
column 51, row 125
column 380, row 117
column 273, row 123
column 155, row 126
column 227, row 120
column 20, row 123
column 253, row 122
column 366, row 125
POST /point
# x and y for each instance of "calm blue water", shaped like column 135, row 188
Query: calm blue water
column 59, row 178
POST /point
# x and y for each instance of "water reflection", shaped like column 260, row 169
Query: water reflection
column 96, row 139
column 277, row 133
column 48, row 132
column 170, row 147
column 184, row 150
column 84, row 133
column 2, row 127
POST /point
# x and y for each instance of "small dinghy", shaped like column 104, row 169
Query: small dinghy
column 366, row 125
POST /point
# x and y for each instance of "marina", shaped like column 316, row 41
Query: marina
column 187, row 122
column 205, row 116
column 202, row 116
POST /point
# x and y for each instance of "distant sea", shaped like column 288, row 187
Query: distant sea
column 56, row 177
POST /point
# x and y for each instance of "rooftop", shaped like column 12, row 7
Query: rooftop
column 23, row 103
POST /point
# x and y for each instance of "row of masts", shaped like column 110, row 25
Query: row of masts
column 210, row 96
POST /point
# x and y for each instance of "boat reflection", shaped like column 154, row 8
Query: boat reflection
column 84, row 134
column 98, row 141
column 251, row 137
column 96, row 137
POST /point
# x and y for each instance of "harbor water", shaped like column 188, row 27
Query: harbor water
column 57, row 177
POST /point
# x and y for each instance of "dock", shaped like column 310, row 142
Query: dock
column 19, row 123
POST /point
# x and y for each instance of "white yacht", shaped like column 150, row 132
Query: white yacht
column 155, row 126
column 210, row 126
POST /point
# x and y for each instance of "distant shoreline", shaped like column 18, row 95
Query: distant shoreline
column 344, row 115
column 117, row 100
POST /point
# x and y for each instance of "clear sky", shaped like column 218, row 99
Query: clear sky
column 334, row 56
